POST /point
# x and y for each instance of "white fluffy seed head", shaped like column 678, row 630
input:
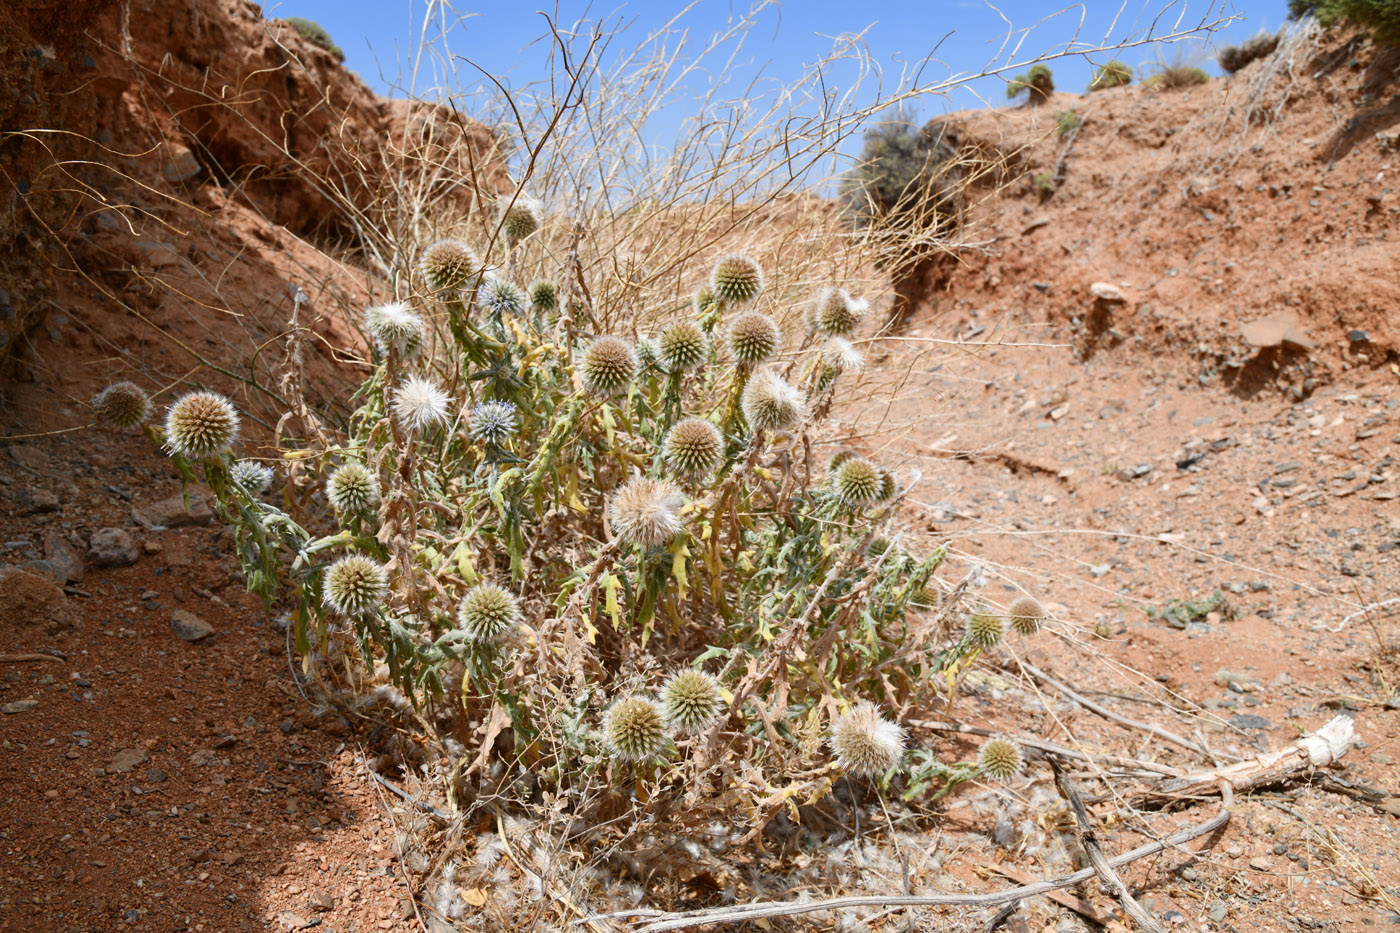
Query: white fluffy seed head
column 253, row 476
column 521, row 218
column 201, row 424
column 646, row 512
column 866, row 744
column 420, row 405
column 394, row 326
column 835, row 312
column 352, row 489
column 770, row 403
column 355, row 585
column 123, row 404
column 840, row 354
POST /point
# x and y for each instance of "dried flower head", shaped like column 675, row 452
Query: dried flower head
column 866, row 744
column 690, row 701
column 543, row 295
column 840, row 355
column 634, row 729
column 500, row 295
column 645, row 512
column 736, row 279
column 200, row 424
column 1000, row 759
column 124, row 404
column 985, row 630
column 704, row 298
column 487, row 611
column 520, row 218
column 648, row 353
column 888, row 486
column 450, row 265
column 926, row 598
column 857, row 482
column 609, row 365
column 493, row 422
column 835, row 312
column 839, row 457
column 395, row 327
column 355, row 585
column 419, row 404
column 693, row 446
column 352, row 489
column 770, row 403
column 254, row 477
column 753, row 337
column 1025, row 615
column 683, row 346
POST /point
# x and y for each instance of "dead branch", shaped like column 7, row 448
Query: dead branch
column 1051, row 748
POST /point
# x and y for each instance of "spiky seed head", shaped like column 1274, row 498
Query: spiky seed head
column 419, row 404
column 648, row 353
column 502, row 296
column 838, row 458
column 836, row 313
column 487, row 611
column 1025, row 615
column 1000, row 759
column 693, row 446
column 736, row 279
column 609, row 365
column 770, row 403
column 753, row 337
column 200, row 424
column 857, row 482
column 840, row 355
column 878, row 546
column 253, row 476
column 123, row 404
column 683, row 346
column 866, row 744
column 355, row 585
column 704, row 297
column 394, row 326
column 927, row 598
column 352, row 489
column 690, row 701
column 450, row 265
column 634, row 729
column 646, row 512
column 985, row 630
column 493, row 422
column 888, row 486
column 543, row 295
column 521, row 218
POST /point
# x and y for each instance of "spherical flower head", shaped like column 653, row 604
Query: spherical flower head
column 836, row 313
column 736, row 279
column 123, row 404
column 838, row 458
column 693, row 446
column 352, row 489
column 394, row 327
column 690, row 701
column 355, row 585
column 487, row 611
column 857, row 482
column 645, row 512
column 419, row 404
column 927, row 599
column 520, row 218
column 1000, row 759
column 1025, row 615
column 609, row 365
column 753, row 337
column 200, row 424
column 450, row 265
column 648, row 353
column 502, row 296
column 770, row 403
column 493, row 422
column 985, row 630
column 634, row 729
column 704, row 298
column 683, row 346
column 888, row 486
column 543, row 295
column 253, row 476
column 839, row 355
column 866, row 744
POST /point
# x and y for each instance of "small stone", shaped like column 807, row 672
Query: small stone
column 126, row 760
column 1106, row 291
column 321, row 900
column 1250, row 721
column 1218, row 913
column 155, row 776
column 172, row 513
column 1260, row 863
column 18, row 706
column 1189, row 874
column 36, row 501
column 189, row 626
column 112, row 547
column 60, row 552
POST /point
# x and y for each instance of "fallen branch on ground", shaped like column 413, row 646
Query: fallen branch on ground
column 1051, row 748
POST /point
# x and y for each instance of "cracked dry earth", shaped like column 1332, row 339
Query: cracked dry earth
column 159, row 769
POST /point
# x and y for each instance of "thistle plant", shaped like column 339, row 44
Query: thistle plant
column 683, row 346
column 493, row 423
column 693, row 446
column 395, row 328
column 857, row 482
column 355, row 585
column 645, row 512
column 690, row 702
column 634, row 730
column 771, row 404
column 753, row 337
column 865, row 743
column 609, row 365
column 544, row 298
column 839, row 355
column 1000, row 759
column 450, row 265
column 520, row 218
column 736, row 279
column 486, row 612
column 1025, row 615
column 984, row 629
column 352, row 489
column 123, row 405
column 253, row 476
column 501, row 296
column 419, row 405
column 835, row 312
column 200, row 424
